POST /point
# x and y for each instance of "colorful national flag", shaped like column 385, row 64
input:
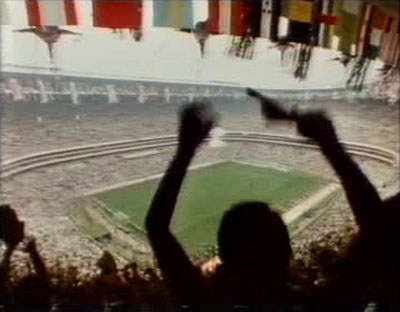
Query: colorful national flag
column 327, row 20
column 173, row 13
column 381, row 20
column 376, row 23
column 348, row 26
column 301, row 11
column 246, row 18
column 51, row 12
column 302, row 27
column 118, row 14
column 219, row 16
column 235, row 17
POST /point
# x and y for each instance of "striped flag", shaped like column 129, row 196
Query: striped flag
column 235, row 17
column 173, row 13
column 300, row 14
column 327, row 20
column 373, row 31
column 118, row 14
column 51, row 12
column 219, row 16
column 381, row 20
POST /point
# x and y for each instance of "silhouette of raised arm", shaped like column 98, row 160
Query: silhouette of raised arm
column 361, row 194
column 364, row 199
column 11, row 232
column 195, row 125
column 38, row 264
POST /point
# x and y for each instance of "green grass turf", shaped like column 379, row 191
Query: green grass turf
column 208, row 192
column 81, row 218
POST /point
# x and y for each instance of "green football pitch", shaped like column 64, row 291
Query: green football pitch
column 207, row 192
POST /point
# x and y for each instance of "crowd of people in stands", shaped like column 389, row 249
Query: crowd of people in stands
column 256, row 268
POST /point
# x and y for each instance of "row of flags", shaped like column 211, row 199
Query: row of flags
column 352, row 27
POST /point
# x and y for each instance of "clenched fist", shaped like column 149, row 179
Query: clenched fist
column 196, row 121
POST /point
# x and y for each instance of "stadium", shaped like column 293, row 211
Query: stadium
column 82, row 152
column 105, row 165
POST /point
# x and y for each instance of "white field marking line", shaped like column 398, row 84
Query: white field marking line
column 309, row 203
column 258, row 165
column 146, row 179
column 140, row 154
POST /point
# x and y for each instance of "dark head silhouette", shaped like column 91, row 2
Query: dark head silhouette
column 253, row 239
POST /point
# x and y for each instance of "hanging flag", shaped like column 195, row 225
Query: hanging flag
column 381, row 20
column 363, row 44
column 374, row 31
column 225, row 12
column 348, row 26
column 51, row 13
column 327, row 20
column 301, row 11
column 301, row 28
column 235, row 17
column 390, row 50
column 118, row 14
column 246, row 18
column 378, row 19
column 173, row 13
column 270, row 13
column 219, row 16
column 213, row 16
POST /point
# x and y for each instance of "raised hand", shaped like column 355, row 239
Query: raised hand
column 317, row 126
column 196, row 121
column 30, row 245
column 270, row 108
column 11, row 229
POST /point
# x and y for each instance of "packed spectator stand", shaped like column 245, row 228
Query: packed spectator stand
column 318, row 267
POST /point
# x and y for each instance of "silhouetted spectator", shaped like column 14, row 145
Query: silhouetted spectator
column 253, row 241
column 11, row 233
column 33, row 291
column 370, row 269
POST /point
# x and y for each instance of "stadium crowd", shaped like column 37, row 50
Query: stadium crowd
column 259, row 268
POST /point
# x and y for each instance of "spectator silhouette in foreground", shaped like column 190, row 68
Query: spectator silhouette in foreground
column 371, row 265
column 32, row 291
column 11, row 233
column 253, row 241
